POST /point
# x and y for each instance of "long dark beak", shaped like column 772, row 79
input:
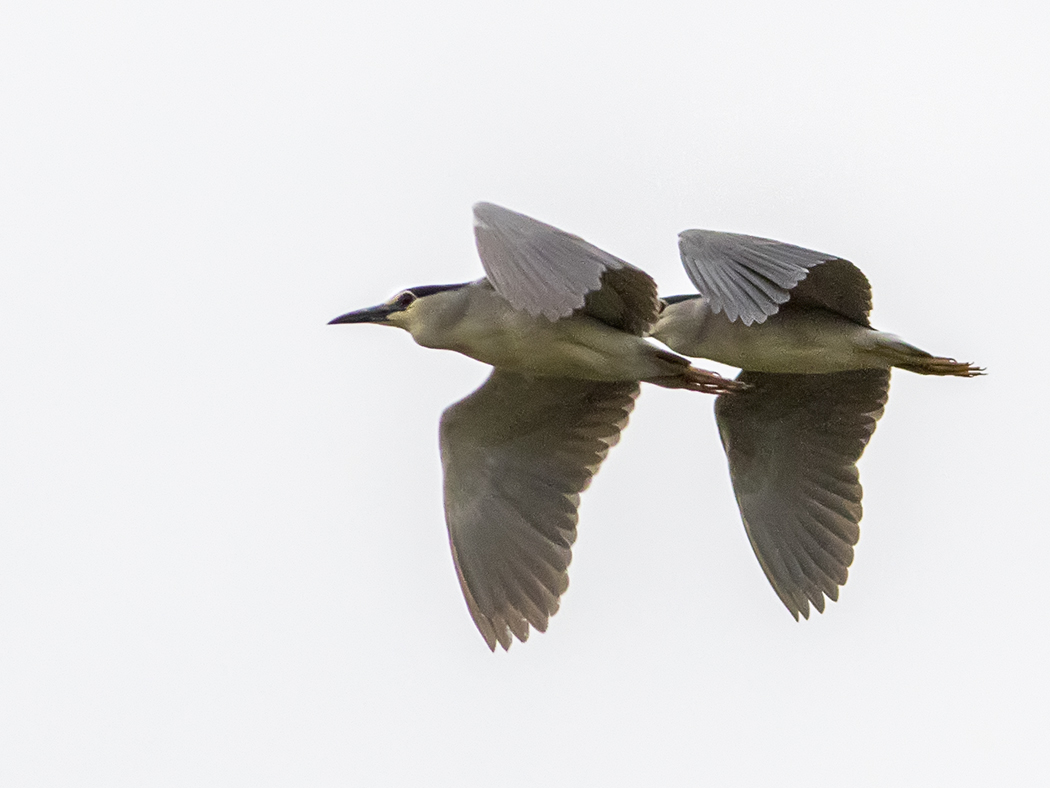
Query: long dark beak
column 374, row 314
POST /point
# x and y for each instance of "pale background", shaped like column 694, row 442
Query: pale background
column 222, row 554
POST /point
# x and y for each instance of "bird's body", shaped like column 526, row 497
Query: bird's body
column 796, row 322
column 811, row 341
column 802, row 341
column 478, row 322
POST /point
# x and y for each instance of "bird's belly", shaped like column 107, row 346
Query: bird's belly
column 789, row 343
column 575, row 347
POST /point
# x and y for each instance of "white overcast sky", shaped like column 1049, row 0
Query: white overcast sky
column 223, row 560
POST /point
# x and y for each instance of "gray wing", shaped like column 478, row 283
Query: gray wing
column 517, row 453
column 750, row 278
column 793, row 442
column 545, row 271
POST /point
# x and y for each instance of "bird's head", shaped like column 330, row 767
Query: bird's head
column 412, row 309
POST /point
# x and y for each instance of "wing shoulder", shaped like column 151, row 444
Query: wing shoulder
column 545, row 271
column 750, row 278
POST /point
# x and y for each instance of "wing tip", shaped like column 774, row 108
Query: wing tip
column 488, row 214
column 483, row 207
column 482, row 212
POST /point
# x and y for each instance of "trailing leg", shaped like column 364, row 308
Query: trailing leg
column 900, row 354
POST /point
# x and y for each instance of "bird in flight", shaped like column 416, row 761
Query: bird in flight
column 796, row 322
column 563, row 325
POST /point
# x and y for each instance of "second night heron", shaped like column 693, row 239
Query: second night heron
column 796, row 322
column 562, row 323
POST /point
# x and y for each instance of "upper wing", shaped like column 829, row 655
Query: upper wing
column 516, row 454
column 546, row 271
column 793, row 442
column 749, row 277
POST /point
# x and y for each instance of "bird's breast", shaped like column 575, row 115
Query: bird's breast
column 574, row 347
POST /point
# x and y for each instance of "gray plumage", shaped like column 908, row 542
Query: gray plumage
column 517, row 453
column 525, row 260
column 793, row 442
column 744, row 276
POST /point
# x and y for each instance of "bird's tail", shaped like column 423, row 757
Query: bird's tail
column 900, row 354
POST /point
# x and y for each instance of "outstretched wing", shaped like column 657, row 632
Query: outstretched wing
column 793, row 442
column 545, row 271
column 750, row 278
column 517, row 453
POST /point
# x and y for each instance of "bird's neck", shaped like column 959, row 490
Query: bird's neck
column 433, row 320
column 683, row 325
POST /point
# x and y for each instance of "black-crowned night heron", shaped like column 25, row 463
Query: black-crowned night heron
column 796, row 322
column 562, row 323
